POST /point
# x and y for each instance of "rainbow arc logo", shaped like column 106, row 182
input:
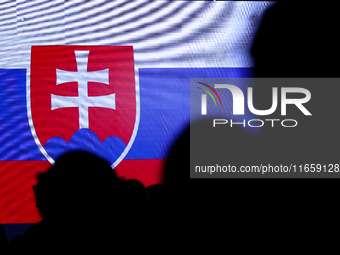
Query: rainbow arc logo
column 204, row 97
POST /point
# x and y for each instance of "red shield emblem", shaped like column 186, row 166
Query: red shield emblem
column 83, row 97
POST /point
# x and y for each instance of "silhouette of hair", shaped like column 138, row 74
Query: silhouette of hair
column 296, row 40
column 77, row 197
column 77, row 182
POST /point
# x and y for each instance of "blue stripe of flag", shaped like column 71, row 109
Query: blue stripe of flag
column 164, row 111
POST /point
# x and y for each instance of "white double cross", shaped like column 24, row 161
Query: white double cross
column 83, row 101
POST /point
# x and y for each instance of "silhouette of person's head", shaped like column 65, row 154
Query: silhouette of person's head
column 296, row 40
column 78, row 185
column 78, row 199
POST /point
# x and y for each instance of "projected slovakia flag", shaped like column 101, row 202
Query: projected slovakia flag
column 112, row 78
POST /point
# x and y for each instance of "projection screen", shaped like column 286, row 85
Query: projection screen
column 109, row 77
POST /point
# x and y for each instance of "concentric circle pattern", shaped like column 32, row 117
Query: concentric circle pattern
column 163, row 33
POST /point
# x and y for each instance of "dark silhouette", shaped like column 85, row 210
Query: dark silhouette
column 135, row 232
column 3, row 240
column 156, row 208
column 294, row 39
column 178, row 162
column 175, row 230
column 78, row 199
column 297, row 40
